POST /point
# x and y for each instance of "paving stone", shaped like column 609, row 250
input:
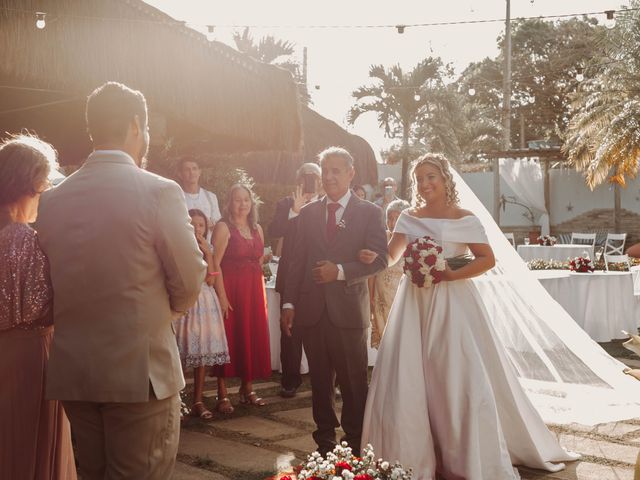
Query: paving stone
column 298, row 415
column 187, row 472
column 599, row 448
column 258, row 427
column 613, row 429
column 226, row 452
column 581, row 471
column 305, row 443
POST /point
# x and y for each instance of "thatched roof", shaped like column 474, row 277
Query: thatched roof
column 278, row 167
column 202, row 84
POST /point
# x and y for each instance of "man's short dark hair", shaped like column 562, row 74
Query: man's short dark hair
column 188, row 158
column 110, row 110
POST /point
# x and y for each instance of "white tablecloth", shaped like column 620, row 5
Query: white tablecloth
column 559, row 252
column 602, row 303
column 273, row 311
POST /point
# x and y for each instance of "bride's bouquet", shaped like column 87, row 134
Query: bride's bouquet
column 341, row 464
column 424, row 262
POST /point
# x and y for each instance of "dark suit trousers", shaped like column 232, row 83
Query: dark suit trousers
column 290, row 358
column 341, row 353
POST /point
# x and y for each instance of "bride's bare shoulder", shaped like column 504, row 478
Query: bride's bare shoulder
column 461, row 213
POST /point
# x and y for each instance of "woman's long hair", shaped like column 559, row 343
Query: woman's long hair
column 252, row 218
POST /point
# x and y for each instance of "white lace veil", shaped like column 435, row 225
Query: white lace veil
column 567, row 375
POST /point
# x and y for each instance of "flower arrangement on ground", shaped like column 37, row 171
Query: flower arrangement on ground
column 424, row 262
column 581, row 265
column 547, row 240
column 341, row 464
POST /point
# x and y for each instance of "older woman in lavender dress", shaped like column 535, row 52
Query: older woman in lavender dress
column 35, row 438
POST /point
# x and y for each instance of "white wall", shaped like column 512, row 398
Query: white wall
column 569, row 196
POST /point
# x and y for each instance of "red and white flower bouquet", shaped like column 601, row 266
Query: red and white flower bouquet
column 424, row 262
column 547, row 240
column 581, row 265
column 341, row 464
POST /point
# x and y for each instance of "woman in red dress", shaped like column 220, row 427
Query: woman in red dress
column 238, row 243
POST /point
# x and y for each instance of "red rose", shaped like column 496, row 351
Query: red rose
column 363, row 476
column 342, row 466
column 286, row 477
column 430, row 260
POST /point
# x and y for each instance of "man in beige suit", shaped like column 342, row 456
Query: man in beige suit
column 123, row 257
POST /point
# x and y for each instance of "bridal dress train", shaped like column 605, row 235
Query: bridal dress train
column 445, row 396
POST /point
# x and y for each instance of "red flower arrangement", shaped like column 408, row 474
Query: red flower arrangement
column 424, row 262
column 547, row 240
column 581, row 265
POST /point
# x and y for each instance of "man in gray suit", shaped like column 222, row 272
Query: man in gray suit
column 123, row 259
column 326, row 295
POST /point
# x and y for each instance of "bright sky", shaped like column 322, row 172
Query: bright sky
column 339, row 58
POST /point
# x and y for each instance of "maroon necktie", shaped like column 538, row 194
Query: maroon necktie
column 332, row 227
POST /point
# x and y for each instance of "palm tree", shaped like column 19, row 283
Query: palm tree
column 603, row 136
column 459, row 128
column 399, row 99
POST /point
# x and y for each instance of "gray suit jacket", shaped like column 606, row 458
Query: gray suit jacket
column 347, row 302
column 123, row 255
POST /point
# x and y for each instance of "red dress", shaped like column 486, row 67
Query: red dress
column 246, row 326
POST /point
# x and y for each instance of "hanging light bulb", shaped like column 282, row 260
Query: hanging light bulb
column 40, row 21
column 532, row 99
column 384, row 94
column 579, row 75
column 210, row 36
column 472, row 91
column 400, row 28
column 417, row 97
column 610, row 21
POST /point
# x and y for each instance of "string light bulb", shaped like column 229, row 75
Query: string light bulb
column 40, row 21
column 400, row 28
column 210, row 29
column 384, row 94
column 417, row 97
column 532, row 99
column 610, row 21
column 579, row 75
column 472, row 91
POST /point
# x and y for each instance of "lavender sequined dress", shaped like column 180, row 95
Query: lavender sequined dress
column 35, row 438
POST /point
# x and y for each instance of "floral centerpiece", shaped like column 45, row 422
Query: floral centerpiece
column 341, row 464
column 424, row 262
column 547, row 240
column 581, row 265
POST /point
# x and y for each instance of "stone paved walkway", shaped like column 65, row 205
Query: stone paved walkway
column 248, row 444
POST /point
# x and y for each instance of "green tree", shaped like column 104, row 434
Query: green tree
column 399, row 99
column 603, row 136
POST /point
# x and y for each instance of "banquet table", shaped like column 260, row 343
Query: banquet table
column 559, row 252
column 273, row 311
column 602, row 303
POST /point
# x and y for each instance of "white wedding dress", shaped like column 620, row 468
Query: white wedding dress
column 444, row 395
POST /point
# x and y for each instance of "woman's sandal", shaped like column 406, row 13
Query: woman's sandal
column 224, row 406
column 199, row 410
column 252, row 399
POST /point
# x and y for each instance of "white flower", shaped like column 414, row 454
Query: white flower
column 408, row 260
column 384, row 465
column 347, row 475
column 440, row 264
column 424, row 253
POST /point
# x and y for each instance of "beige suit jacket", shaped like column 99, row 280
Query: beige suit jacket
column 123, row 255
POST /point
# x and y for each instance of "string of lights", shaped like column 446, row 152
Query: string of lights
column 41, row 17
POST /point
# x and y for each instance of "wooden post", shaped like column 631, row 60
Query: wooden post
column 547, row 190
column 616, row 208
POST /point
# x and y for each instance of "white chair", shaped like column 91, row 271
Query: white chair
column 511, row 238
column 616, row 259
column 583, row 239
column 612, row 239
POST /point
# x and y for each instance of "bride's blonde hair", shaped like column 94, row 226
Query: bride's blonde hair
column 442, row 164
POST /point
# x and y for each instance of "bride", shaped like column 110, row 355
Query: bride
column 444, row 396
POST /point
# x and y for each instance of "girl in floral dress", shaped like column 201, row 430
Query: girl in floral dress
column 200, row 332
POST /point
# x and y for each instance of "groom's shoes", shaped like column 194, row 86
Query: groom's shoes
column 288, row 392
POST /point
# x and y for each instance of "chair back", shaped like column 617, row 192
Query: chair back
column 614, row 239
column 616, row 259
column 583, row 239
column 511, row 238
